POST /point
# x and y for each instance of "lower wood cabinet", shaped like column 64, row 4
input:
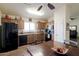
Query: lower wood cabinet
column 33, row 38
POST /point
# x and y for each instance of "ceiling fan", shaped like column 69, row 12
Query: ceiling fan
column 50, row 6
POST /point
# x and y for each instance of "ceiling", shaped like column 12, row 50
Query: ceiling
column 20, row 9
column 73, row 9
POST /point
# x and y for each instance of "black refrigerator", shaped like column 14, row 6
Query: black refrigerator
column 1, row 37
column 10, row 36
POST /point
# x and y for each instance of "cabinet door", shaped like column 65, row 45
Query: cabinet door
column 20, row 24
column 31, row 38
column 42, row 25
column 8, row 21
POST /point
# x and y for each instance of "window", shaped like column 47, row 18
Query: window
column 29, row 27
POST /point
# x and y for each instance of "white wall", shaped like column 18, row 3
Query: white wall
column 67, row 18
column 72, row 10
column 59, row 24
column 75, row 22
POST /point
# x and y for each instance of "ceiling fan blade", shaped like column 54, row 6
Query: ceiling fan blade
column 39, row 8
column 50, row 6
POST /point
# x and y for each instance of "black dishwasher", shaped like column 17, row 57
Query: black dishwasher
column 22, row 40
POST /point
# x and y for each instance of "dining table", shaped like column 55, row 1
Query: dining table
column 45, row 49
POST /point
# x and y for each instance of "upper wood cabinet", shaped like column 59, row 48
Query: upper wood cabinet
column 3, row 20
column 9, row 19
column 20, row 24
column 42, row 25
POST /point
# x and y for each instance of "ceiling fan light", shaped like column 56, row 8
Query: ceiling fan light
column 39, row 8
column 51, row 6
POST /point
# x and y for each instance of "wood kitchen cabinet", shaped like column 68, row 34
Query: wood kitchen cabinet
column 20, row 24
column 31, row 38
column 40, row 37
column 35, row 37
column 42, row 25
column 3, row 20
